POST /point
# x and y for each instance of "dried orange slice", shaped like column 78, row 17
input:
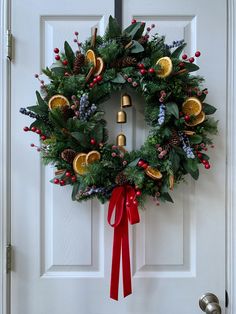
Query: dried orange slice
column 79, row 163
column 197, row 120
column 153, row 173
column 92, row 156
column 166, row 66
column 58, row 101
column 90, row 57
column 192, row 106
column 99, row 66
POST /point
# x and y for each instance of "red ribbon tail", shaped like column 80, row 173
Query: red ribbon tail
column 115, row 268
column 127, row 285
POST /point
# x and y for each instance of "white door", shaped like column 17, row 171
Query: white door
column 62, row 249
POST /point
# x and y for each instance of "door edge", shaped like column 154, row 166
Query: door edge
column 231, row 158
column 5, row 188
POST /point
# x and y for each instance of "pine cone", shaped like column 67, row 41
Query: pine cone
column 124, row 62
column 68, row 155
column 78, row 63
column 174, row 140
column 121, row 178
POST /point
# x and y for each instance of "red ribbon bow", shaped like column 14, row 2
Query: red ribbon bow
column 123, row 200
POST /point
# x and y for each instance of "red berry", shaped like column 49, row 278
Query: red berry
column 38, row 131
column 36, row 75
column 92, row 141
column 33, row 129
column 57, row 57
column 56, row 50
column 26, row 129
column 62, row 182
column 145, row 165
column 95, row 80
column 140, row 65
column 148, row 29
column 191, row 60
column 199, row 155
column 135, row 202
column 180, row 113
column 138, row 193
column 207, row 166
column 76, row 33
column 181, row 65
column 197, row 54
column 73, row 179
column 65, row 62
column 205, row 162
column 151, row 70
column 187, row 118
column 68, row 174
column 184, row 56
column 32, row 145
column 127, row 204
column 133, row 21
column 140, row 163
column 99, row 78
column 56, row 181
column 67, row 74
column 143, row 71
column 91, row 85
column 43, row 137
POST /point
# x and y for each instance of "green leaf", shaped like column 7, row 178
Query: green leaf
column 75, row 190
column 175, row 160
column 113, row 29
column 119, row 79
column 202, row 97
column 166, row 197
column 69, row 54
column 41, row 102
column 136, row 47
column 98, row 133
column 191, row 67
column 195, row 139
column 58, row 71
column 208, row 109
column 191, row 166
column 134, row 162
column 177, row 52
column 134, row 30
column 173, row 109
column 81, row 138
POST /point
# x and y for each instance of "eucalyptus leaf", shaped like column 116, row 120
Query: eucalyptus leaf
column 166, row 197
column 136, row 47
column 191, row 67
column 133, row 29
column 75, row 190
column 134, row 162
column 195, row 139
column 176, row 53
column 175, row 160
column 69, row 54
column 119, row 79
column 208, row 109
column 113, row 29
column 173, row 109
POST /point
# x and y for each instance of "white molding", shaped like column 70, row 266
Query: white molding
column 4, row 157
column 231, row 160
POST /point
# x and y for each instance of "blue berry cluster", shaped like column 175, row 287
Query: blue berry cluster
column 186, row 145
column 106, row 191
column 161, row 115
column 86, row 110
column 29, row 113
column 175, row 43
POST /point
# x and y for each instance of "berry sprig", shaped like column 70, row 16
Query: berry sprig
column 67, row 178
column 42, row 83
column 95, row 81
column 35, row 130
column 191, row 59
column 76, row 40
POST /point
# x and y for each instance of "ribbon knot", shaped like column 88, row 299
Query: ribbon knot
column 124, row 204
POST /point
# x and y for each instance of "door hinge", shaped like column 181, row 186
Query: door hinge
column 226, row 298
column 9, row 43
column 8, row 258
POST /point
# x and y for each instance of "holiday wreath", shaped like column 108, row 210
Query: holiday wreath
column 74, row 138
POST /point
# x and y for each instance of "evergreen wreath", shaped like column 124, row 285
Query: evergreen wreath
column 71, row 125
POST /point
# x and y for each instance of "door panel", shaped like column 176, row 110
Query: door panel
column 63, row 248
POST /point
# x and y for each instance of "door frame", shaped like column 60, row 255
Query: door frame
column 5, row 153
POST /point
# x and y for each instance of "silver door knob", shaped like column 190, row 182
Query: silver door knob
column 209, row 304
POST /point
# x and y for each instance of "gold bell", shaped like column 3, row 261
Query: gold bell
column 126, row 101
column 121, row 116
column 121, row 140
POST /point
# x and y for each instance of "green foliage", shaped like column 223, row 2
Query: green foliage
column 164, row 148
